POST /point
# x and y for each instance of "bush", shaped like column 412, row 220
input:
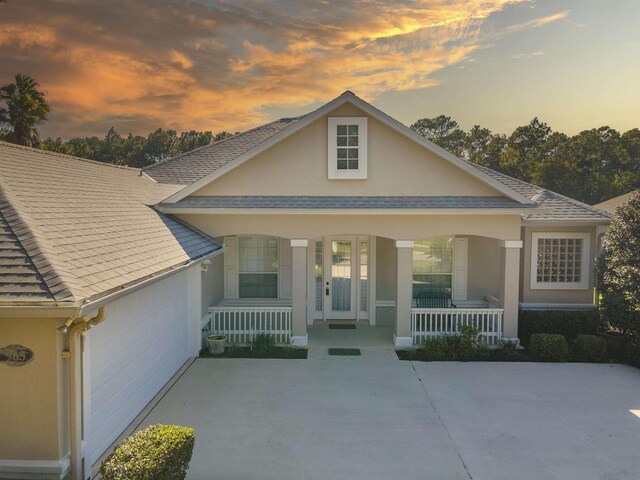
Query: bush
column 159, row 452
column 263, row 344
column 569, row 324
column 618, row 270
column 632, row 354
column 461, row 347
column 546, row 347
column 590, row 348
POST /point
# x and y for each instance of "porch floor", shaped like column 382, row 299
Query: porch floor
column 319, row 335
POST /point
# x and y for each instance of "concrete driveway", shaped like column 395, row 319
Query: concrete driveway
column 374, row 417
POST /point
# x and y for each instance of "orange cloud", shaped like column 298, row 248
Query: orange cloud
column 217, row 66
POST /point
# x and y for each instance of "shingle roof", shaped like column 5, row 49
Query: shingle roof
column 613, row 203
column 345, row 203
column 19, row 278
column 557, row 207
column 191, row 166
column 80, row 229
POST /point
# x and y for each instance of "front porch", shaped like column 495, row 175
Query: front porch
column 369, row 282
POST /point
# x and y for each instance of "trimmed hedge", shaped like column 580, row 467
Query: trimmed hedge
column 632, row 354
column 545, row 347
column 590, row 348
column 159, row 452
column 569, row 323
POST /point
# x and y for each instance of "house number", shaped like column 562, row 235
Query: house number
column 15, row 355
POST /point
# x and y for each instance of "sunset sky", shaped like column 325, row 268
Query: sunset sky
column 233, row 64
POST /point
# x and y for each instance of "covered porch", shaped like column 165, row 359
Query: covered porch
column 366, row 282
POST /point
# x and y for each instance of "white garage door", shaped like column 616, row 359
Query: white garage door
column 132, row 355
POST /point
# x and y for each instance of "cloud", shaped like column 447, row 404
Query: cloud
column 217, row 64
column 528, row 55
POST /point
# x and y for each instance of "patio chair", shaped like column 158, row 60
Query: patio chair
column 434, row 299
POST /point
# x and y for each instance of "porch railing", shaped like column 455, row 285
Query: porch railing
column 241, row 324
column 432, row 322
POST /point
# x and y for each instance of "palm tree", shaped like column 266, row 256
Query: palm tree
column 25, row 106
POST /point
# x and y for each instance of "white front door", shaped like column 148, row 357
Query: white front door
column 340, row 279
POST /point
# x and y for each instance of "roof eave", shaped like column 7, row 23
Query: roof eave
column 346, row 211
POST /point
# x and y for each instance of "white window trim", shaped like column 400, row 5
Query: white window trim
column 333, row 172
column 584, row 267
column 240, row 272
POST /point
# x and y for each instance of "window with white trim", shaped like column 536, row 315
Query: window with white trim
column 560, row 260
column 432, row 264
column 347, row 147
column 258, row 267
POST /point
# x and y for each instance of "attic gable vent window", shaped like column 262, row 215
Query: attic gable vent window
column 347, row 147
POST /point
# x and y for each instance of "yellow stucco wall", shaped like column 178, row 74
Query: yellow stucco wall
column 396, row 166
column 34, row 398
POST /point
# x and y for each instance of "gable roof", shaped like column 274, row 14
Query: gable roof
column 218, row 164
column 189, row 167
column 612, row 204
column 554, row 206
column 74, row 230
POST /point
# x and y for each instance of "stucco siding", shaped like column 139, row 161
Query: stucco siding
column 397, row 227
column 555, row 296
column 484, row 275
column 213, row 283
column 31, row 400
column 396, row 165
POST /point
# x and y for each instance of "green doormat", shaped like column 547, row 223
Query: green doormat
column 344, row 352
column 338, row 326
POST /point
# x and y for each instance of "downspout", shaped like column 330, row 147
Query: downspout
column 76, row 332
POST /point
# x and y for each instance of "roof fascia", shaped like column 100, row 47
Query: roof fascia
column 347, row 211
column 375, row 113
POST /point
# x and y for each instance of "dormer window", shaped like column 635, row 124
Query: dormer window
column 347, row 147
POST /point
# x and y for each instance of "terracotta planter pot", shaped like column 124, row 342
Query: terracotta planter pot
column 615, row 343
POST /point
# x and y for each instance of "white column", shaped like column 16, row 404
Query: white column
column 299, row 290
column 404, row 292
column 510, row 291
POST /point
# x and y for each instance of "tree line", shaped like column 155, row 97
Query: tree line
column 592, row 166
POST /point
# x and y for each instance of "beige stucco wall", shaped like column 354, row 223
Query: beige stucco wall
column 396, row 166
column 34, row 397
column 386, row 266
column 484, row 274
column 527, row 295
column 397, row 227
column 213, row 283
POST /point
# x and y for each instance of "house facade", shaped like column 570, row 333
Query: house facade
column 345, row 214
column 110, row 275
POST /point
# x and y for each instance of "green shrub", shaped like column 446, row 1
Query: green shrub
column 632, row 353
column 569, row 324
column 618, row 270
column 159, row 452
column 263, row 344
column 508, row 348
column 590, row 348
column 545, row 347
column 462, row 347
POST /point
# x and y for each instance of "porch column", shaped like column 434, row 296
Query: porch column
column 299, row 291
column 510, row 291
column 404, row 292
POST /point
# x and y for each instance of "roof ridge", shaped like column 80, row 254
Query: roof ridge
column 64, row 155
column 218, row 142
column 38, row 248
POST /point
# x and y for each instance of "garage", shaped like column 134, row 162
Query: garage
column 145, row 339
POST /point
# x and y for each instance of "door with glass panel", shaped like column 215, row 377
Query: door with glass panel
column 340, row 280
